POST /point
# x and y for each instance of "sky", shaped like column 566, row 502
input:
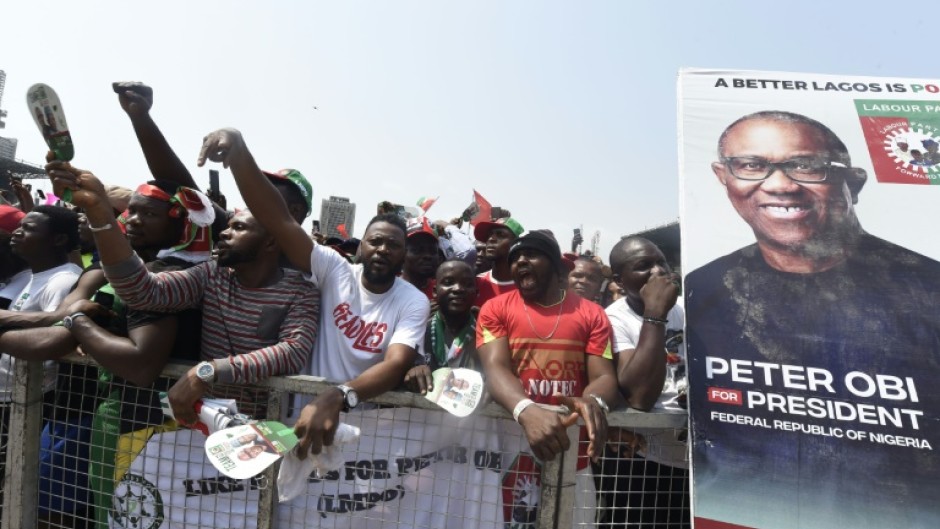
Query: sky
column 562, row 112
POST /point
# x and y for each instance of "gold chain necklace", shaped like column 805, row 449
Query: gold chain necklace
column 525, row 306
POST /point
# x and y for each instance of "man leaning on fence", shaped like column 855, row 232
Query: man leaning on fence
column 644, row 477
column 373, row 321
column 524, row 334
column 43, row 240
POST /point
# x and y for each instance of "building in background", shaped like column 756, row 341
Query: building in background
column 3, row 113
column 7, row 145
column 336, row 212
column 8, row 164
column 7, row 148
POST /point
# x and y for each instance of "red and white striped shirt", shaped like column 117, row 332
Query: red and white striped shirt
column 261, row 331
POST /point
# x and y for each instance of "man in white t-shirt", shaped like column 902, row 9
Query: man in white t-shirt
column 647, row 481
column 372, row 321
column 44, row 239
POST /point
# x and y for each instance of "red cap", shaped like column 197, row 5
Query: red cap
column 568, row 259
column 420, row 226
column 10, row 218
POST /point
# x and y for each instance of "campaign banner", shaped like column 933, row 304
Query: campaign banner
column 812, row 292
column 415, row 468
column 171, row 484
column 409, row 468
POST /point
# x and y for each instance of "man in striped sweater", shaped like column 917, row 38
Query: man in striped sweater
column 259, row 319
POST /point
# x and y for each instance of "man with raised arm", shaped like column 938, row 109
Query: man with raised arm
column 373, row 320
column 259, row 320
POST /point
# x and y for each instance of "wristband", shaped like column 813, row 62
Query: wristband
column 655, row 321
column 600, row 402
column 520, row 407
column 100, row 228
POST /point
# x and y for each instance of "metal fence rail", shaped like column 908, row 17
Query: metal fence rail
column 413, row 466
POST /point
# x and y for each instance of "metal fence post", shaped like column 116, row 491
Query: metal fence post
column 21, row 480
column 559, row 482
column 267, row 498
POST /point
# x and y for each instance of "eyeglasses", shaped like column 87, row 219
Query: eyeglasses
column 805, row 169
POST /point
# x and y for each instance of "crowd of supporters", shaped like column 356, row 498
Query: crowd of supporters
column 138, row 278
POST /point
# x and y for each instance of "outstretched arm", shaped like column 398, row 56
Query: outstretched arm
column 137, row 286
column 266, row 204
column 43, row 343
column 89, row 194
column 137, row 99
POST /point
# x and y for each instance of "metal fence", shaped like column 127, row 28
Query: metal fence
column 97, row 453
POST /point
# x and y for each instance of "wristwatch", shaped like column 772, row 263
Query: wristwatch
column 350, row 397
column 68, row 321
column 206, row 372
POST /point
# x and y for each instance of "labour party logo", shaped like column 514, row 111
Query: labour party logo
column 903, row 139
column 136, row 504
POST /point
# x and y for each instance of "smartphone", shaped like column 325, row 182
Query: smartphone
column 577, row 232
column 316, row 226
column 41, row 194
column 104, row 299
column 213, row 184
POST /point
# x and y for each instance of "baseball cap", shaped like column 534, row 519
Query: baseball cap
column 10, row 218
column 541, row 241
column 568, row 259
column 482, row 230
column 119, row 197
column 421, row 226
column 298, row 179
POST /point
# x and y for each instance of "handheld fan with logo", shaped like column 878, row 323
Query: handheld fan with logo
column 247, row 450
column 458, row 391
column 46, row 110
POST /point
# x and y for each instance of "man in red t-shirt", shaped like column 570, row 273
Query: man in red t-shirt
column 499, row 235
column 541, row 344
